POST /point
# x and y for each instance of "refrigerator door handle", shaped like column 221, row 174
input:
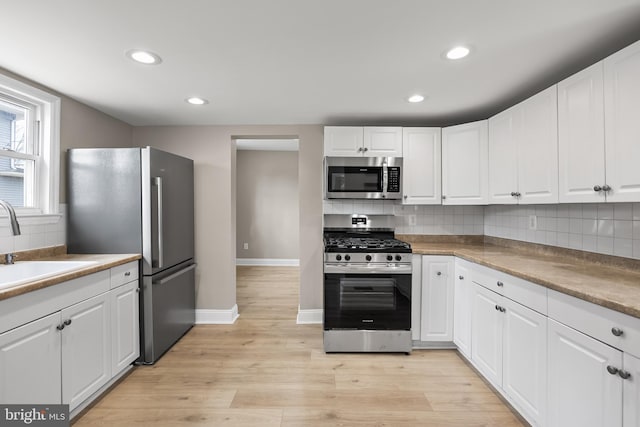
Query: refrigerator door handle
column 158, row 184
column 174, row 275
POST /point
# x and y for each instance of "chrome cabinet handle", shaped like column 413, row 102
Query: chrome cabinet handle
column 405, row 197
column 597, row 188
column 60, row 327
column 365, row 149
column 612, row 370
column 606, row 188
column 67, row 322
column 616, row 331
column 439, row 273
column 461, row 277
column 497, row 307
column 500, row 284
column 127, row 274
column 513, row 194
column 359, row 149
column 624, row 374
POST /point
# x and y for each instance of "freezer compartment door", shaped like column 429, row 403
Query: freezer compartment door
column 168, row 309
column 168, row 222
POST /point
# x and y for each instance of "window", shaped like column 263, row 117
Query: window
column 29, row 148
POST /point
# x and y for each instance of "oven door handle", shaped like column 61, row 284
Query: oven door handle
column 367, row 269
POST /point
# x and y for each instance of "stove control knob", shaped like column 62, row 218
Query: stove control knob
column 368, row 257
column 338, row 257
column 398, row 257
column 347, row 257
column 389, row 258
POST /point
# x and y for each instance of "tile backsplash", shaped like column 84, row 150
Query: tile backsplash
column 416, row 219
column 33, row 236
column 606, row 228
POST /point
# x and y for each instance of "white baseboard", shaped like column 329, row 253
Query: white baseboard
column 280, row 262
column 216, row 317
column 308, row 317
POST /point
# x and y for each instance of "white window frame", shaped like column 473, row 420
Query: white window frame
column 47, row 179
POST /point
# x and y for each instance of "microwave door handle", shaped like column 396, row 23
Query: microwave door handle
column 385, row 179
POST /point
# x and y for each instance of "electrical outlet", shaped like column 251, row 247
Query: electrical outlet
column 412, row 220
column 245, row 246
column 533, row 222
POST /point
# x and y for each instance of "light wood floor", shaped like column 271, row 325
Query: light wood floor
column 267, row 371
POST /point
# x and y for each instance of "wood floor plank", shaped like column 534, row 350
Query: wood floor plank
column 265, row 370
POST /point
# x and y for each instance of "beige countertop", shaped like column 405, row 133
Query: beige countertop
column 592, row 278
column 103, row 262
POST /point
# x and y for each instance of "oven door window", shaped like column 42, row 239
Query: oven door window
column 350, row 179
column 367, row 301
column 367, row 294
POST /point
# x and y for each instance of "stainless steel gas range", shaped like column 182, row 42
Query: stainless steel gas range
column 367, row 286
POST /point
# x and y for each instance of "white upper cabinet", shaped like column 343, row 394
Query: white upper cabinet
column 538, row 149
column 581, row 137
column 465, row 164
column 358, row 141
column 382, row 142
column 421, row 179
column 622, row 124
column 523, row 152
column 343, row 141
column 503, row 156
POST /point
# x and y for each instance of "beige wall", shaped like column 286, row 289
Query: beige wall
column 267, row 204
column 82, row 126
column 214, row 154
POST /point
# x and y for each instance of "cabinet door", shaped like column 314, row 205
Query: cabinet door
column 581, row 136
column 416, row 296
column 382, row 141
column 524, row 367
column 421, row 166
column 343, row 141
column 437, row 299
column 631, row 392
column 581, row 390
column 462, row 310
column 465, row 163
column 538, row 148
column 125, row 339
column 86, row 349
column 622, row 127
column 503, row 160
column 486, row 333
column 30, row 363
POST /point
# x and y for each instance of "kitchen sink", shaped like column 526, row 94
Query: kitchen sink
column 28, row 271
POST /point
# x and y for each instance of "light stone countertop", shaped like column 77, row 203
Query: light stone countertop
column 104, row 262
column 614, row 287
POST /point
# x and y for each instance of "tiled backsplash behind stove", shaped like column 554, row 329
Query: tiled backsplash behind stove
column 606, row 228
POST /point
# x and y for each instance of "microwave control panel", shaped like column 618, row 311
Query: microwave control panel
column 393, row 185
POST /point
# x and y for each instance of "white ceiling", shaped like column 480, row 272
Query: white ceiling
column 308, row 62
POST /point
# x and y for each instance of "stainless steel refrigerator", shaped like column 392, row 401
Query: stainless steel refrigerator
column 139, row 200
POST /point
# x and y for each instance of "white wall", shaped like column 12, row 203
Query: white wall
column 267, row 204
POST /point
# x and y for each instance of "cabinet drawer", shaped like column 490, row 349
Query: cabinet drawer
column 124, row 273
column 519, row 290
column 597, row 321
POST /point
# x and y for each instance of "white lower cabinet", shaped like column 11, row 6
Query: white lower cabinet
column 84, row 335
column 509, row 349
column 437, row 299
column 125, row 338
column 582, row 391
column 86, row 349
column 631, row 391
column 30, row 362
column 462, row 308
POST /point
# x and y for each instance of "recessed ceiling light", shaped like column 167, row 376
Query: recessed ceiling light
column 194, row 100
column 416, row 98
column 144, row 57
column 457, row 52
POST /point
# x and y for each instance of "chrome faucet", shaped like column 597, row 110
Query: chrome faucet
column 15, row 227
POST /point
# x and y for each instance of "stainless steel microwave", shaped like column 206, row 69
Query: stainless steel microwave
column 363, row 177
